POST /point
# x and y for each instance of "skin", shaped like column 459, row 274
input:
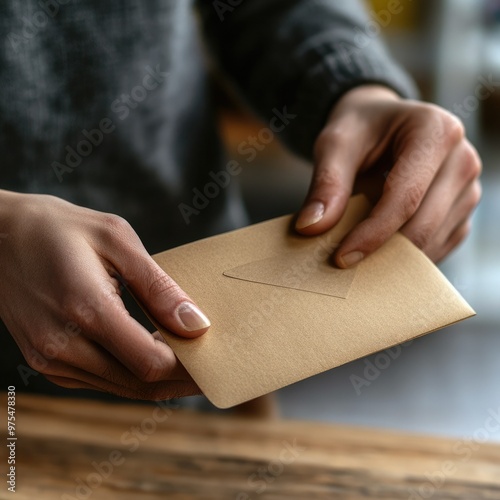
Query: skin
column 59, row 266
column 429, row 193
column 62, row 265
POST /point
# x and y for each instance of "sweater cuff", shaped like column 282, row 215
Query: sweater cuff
column 321, row 85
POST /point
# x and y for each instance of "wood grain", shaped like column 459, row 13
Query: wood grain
column 203, row 456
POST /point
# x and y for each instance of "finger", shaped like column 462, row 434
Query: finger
column 174, row 389
column 131, row 344
column 454, row 240
column 404, row 189
column 154, row 288
column 440, row 208
column 105, row 320
column 108, row 376
column 93, row 358
column 158, row 336
column 459, row 213
column 71, row 383
column 178, row 372
column 337, row 163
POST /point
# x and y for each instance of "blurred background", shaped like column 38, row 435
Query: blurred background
column 448, row 382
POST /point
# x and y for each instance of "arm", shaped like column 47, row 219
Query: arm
column 353, row 119
column 415, row 159
column 299, row 54
column 61, row 269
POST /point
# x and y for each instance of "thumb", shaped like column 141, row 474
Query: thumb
column 161, row 296
column 331, row 185
column 165, row 300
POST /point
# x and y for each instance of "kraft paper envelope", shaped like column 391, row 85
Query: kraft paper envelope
column 281, row 312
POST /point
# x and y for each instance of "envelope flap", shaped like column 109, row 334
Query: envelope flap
column 264, row 337
column 303, row 271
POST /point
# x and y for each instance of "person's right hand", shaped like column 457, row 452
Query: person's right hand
column 60, row 272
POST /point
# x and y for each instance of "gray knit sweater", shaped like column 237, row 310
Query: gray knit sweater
column 108, row 103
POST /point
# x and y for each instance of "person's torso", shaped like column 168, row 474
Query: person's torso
column 108, row 105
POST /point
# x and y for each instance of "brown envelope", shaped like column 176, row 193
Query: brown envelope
column 281, row 312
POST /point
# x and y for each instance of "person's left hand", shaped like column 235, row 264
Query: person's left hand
column 426, row 168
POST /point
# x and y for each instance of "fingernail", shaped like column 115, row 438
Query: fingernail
column 311, row 214
column 349, row 259
column 191, row 317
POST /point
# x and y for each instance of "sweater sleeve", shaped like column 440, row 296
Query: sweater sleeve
column 298, row 57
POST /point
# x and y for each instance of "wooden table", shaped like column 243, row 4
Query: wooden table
column 147, row 452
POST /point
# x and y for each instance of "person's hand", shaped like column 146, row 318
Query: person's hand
column 61, row 267
column 418, row 154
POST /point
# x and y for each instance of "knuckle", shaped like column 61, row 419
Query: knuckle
column 107, row 374
column 422, row 236
column 450, row 126
column 37, row 344
column 471, row 162
column 116, row 225
column 35, row 359
column 78, row 312
column 369, row 235
column 429, row 112
column 472, row 199
column 461, row 233
column 162, row 284
column 453, row 127
column 327, row 137
column 325, row 178
column 44, row 352
column 150, row 371
column 477, row 192
column 412, row 198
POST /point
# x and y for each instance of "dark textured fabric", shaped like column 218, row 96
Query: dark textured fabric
column 67, row 67
column 73, row 73
column 303, row 54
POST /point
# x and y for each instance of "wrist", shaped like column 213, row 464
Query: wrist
column 10, row 207
column 372, row 91
column 365, row 94
column 7, row 201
